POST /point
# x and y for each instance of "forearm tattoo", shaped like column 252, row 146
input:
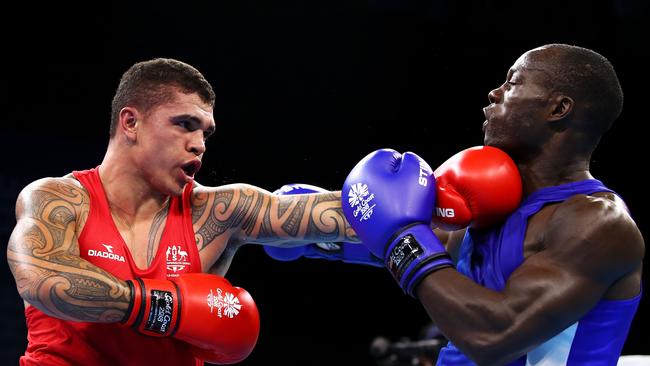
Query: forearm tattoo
column 43, row 255
column 293, row 217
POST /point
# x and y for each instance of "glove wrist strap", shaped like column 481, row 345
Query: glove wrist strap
column 414, row 253
column 155, row 307
column 135, row 303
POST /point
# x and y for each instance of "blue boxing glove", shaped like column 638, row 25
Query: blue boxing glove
column 344, row 251
column 388, row 198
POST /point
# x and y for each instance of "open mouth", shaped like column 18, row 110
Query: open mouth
column 192, row 167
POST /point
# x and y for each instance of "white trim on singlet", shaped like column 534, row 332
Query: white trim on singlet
column 634, row 360
column 555, row 351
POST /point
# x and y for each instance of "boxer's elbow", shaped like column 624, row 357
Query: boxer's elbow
column 33, row 282
column 25, row 278
column 495, row 344
column 21, row 269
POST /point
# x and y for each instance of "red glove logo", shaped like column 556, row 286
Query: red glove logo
column 227, row 305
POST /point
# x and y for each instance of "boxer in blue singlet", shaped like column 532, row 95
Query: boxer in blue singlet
column 559, row 281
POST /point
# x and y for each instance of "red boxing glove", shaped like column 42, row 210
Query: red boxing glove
column 477, row 187
column 220, row 321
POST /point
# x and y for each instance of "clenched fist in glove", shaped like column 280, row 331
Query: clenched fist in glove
column 477, row 187
column 389, row 198
column 220, row 321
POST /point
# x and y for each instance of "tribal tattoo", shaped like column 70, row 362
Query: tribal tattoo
column 43, row 255
column 315, row 217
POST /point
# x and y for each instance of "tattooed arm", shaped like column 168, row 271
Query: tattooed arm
column 43, row 255
column 229, row 216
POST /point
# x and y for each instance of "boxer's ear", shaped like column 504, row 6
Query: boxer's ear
column 560, row 107
column 128, row 123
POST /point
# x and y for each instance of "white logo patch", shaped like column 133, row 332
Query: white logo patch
column 108, row 254
column 227, row 304
column 445, row 212
column 177, row 260
column 359, row 198
column 425, row 172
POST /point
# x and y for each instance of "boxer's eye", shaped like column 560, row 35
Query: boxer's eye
column 208, row 133
column 184, row 124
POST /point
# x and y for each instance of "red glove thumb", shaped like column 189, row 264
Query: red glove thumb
column 477, row 187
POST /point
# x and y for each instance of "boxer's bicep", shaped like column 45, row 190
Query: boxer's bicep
column 593, row 238
column 589, row 245
column 43, row 255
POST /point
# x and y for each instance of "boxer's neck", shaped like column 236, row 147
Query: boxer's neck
column 564, row 158
column 127, row 191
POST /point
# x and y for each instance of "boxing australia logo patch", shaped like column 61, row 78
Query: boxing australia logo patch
column 225, row 305
column 177, row 260
column 359, row 198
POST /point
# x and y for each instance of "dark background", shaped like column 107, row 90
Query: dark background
column 304, row 90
